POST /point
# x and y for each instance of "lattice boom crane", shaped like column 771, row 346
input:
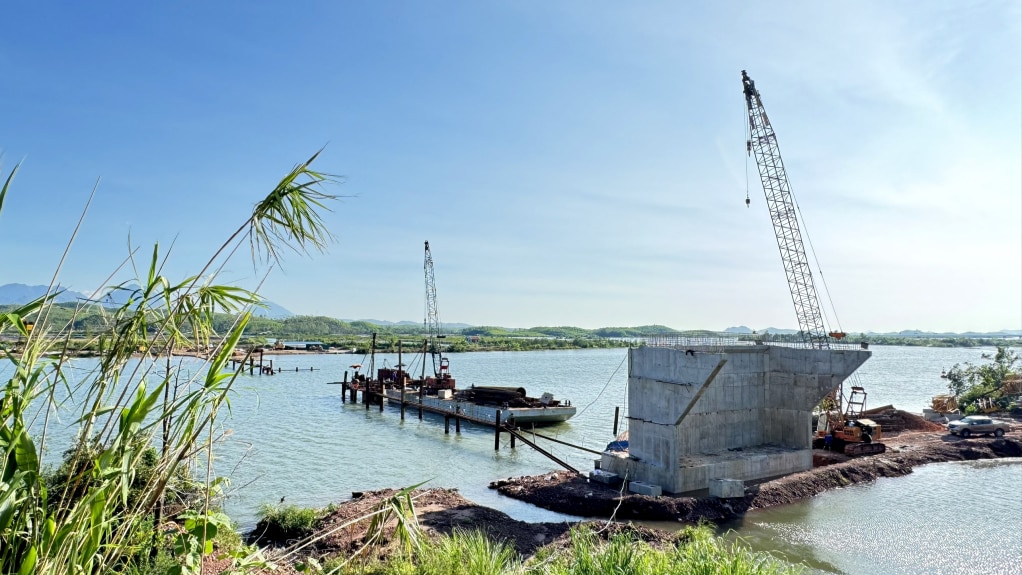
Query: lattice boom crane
column 763, row 142
column 432, row 319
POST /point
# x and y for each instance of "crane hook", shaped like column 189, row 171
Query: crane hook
column 747, row 201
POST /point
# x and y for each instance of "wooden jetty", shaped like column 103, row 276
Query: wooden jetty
column 260, row 366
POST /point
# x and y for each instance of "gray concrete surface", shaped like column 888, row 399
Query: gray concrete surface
column 740, row 412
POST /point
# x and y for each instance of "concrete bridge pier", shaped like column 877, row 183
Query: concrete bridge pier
column 738, row 412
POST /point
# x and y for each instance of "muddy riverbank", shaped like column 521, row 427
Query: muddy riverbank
column 573, row 494
column 438, row 511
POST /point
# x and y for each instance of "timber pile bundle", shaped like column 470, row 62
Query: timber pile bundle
column 893, row 420
column 499, row 396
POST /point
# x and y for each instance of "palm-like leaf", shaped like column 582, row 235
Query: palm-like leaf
column 289, row 215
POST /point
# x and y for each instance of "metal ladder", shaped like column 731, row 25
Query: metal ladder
column 856, row 403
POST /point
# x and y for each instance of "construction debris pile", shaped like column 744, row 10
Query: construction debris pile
column 894, row 420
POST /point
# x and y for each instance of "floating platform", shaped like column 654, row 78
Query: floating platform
column 481, row 412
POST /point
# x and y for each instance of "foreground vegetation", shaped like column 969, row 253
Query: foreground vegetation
column 396, row 546
column 694, row 551
column 132, row 494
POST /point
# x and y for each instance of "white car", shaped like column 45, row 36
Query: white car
column 977, row 425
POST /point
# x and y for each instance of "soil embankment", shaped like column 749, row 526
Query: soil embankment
column 346, row 531
column 574, row 494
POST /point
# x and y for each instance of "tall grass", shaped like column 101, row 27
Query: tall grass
column 104, row 514
column 463, row 552
column 694, row 551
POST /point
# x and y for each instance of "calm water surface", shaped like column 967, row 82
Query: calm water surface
column 958, row 518
column 292, row 436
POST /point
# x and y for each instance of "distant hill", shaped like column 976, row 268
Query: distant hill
column 21, row 293
column 779, row 331
column 746, row 330
column 18, row 294
column 384, row 322
column 272, row 311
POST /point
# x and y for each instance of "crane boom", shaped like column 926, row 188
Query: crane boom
column 763, row 142
column 432, row 319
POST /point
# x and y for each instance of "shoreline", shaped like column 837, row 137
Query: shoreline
column 572, row 494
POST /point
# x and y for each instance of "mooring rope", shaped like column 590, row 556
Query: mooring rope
column 605, row 386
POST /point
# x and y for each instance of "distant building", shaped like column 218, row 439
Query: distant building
column 302, row 345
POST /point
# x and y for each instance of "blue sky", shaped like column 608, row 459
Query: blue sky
column 570, row 163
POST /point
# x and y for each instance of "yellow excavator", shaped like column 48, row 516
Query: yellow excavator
column 848, row 432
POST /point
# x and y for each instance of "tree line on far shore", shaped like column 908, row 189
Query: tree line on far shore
column 85, row 322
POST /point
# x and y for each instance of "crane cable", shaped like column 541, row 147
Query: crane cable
column 748, row 153
column 816, row 260
column 605, row 386
column 798, row 210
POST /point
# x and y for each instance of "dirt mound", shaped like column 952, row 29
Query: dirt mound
column 346, row 529
column 438, row 512
column 893, row 420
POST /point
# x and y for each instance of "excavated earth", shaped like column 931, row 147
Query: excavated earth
column 345, row 532
column 919, row 442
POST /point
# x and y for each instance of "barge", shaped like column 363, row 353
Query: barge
column 438, row 392
column 483, row 403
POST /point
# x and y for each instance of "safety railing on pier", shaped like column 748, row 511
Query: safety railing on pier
column 719, row 343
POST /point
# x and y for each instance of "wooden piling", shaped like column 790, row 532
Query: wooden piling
column 511, row 425
column 401, row 378
column 496, row 433
column 457, row 424
column 447, row 425
column 344, row 387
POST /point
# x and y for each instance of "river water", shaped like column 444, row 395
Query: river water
column 960, row 518
column 290, row 436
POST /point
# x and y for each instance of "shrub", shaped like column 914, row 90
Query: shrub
column 281, row 524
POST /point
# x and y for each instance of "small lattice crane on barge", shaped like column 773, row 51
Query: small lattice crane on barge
column 441, row 365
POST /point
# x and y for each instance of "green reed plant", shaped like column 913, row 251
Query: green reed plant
column 695, row 552
column 467, row 553
column 280, row 524
column 463, row 552
column 113, row 489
